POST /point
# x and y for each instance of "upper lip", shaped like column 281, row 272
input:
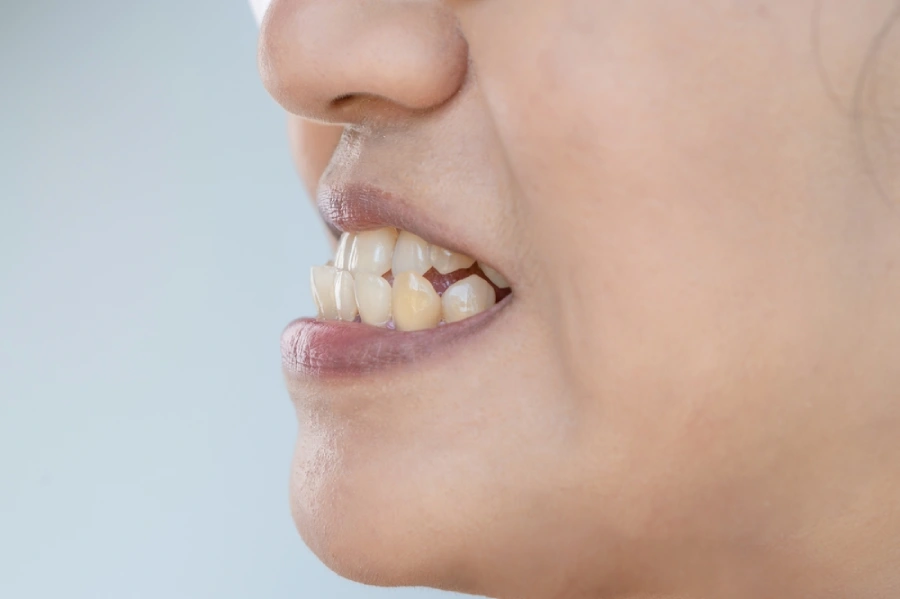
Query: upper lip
column 354, row 207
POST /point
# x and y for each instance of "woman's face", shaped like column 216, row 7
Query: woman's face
column 692, row 387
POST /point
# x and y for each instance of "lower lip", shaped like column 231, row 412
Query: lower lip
column 327, row 349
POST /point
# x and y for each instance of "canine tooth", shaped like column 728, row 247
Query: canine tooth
column 416, row 305
column 446, row 261
column 345, row 296
column 322, row 279
column 495, row 277
column 344, row 248
column 411, row 254
column 373, row 296
column 372, row 251
column 466, row 298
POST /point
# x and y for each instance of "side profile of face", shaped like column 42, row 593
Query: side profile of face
column 693, row 389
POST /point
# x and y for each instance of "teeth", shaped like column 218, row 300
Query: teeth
column 345, row 296
column 446, row 261
column 322, row 279
column 373, row 296
column 495, row 277
column 354, row 287
column 466, row 298
column 416, row 305
column 372, row 251
column 342, row 255
column 411, row 254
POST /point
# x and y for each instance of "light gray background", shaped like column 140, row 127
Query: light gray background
column 154, row 241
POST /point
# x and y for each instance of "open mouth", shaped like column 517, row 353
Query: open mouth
column 396, row 280
column 389, row 296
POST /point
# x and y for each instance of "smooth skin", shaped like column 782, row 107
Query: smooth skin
column 695, row 391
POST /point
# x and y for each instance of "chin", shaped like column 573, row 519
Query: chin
column 378, row 516
column 410, row 475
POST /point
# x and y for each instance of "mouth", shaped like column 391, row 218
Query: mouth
column 389, row 296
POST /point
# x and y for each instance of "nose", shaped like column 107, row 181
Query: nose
column 345, row 61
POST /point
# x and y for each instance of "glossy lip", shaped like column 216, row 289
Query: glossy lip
column 330, row 349
column 358, row 207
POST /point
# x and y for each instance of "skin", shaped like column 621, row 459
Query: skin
column 695, row 391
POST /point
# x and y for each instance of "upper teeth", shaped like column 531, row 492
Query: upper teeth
column 495, row 277
column 371, row 251
column 411, row 254
column 355, row 286
column 446, row 261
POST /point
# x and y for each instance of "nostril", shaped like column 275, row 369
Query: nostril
column 343, row 61
column 341, row 100
column 344, row 104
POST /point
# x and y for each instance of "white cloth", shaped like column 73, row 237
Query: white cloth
column 259, row 8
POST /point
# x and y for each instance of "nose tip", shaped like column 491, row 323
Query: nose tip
column 340, row 60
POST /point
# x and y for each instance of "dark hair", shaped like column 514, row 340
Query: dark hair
column 863, row 107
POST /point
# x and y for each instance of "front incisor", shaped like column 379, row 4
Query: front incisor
column 416, row 305
column 411, row 254
column 345, row 296
column 466, row 298
column 372, row 251
column 373, row 296
column 344, row 249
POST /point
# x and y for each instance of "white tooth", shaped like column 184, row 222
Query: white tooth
column 466, row 298
column 344, row 248
column 345, row 296
column 447, row 261
column 416, row 305
column 372, row 251
column 495, row 277
column 322, row 281
column 411, row 254
column 373, row 296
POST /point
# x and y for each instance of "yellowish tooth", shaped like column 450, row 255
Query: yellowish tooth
column 495, row 277
column 446, row 261
column 416, row 305
column 411, row 254
column 373, row 296
column 372, row 251
column 345, row 296
column 322, row 279
column 344, row 249
column 466, row 298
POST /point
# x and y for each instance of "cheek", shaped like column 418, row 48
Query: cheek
column 649, row 202
column 682, row 259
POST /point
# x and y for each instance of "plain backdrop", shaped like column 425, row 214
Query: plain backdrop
column 154, row 241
